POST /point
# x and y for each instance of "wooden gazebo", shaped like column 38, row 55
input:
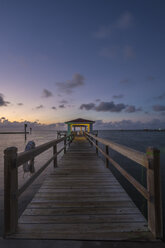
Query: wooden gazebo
column 84, row 125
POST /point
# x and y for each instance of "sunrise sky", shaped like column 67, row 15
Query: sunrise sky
column 102, row 60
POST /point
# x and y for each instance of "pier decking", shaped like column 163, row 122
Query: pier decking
column 82, row 200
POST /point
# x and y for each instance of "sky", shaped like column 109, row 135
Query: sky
column 101, row 60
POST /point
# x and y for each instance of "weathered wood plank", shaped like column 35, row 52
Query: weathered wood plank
column 81, row 191
column 78, row 184
column 78, row 187
column 80, row 180
column 81, row 204
column 77, row 194
column 112, row 236
column 81, row 199
column 94, row 219
column 66, row 176
column 82, row 228
column 81, row 211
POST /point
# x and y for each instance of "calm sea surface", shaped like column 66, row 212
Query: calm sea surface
column 134, row 139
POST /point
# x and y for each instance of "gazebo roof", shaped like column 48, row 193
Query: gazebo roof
column 79, row 120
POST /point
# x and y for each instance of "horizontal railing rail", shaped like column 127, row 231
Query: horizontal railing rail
column 151, row 161
column 29, row 182
column 26, row 156
column 12, row 161
column 138, row 157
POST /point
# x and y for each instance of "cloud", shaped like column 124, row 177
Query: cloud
column 150, row 78
column 110, row 107
column 71, row 105
column 109, row 52
column 158, row 108
column 40, row 107
column 54, row 108
column 113, row 52
column 125, row 81
column 36, row 125
column 160, row 97
column 117, row 125
column 132, row 109
column 118, row 96
column 2, row 101
column 104, row 107
column 68, row 86
column 63, row 101
column 62, row 106
column 124, row 22
column 97, row 100
column 46, row 93
column 128, row 124
column 128, row 52
column 103, row 32
column 20, row 104
column 87, row 106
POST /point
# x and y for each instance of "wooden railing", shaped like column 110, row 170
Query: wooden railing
column 12, row 161
column 151, row 161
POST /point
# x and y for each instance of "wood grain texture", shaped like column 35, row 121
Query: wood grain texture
column 81, row 199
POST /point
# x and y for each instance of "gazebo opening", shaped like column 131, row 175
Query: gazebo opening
column 80, row 125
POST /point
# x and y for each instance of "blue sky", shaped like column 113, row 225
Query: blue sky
column 96, row 59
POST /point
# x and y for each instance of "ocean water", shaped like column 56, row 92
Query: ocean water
column 133, row 139
column 18, row 140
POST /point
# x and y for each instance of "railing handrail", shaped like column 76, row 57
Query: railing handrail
column 12, row 161
column 131, row 179
column 151, row 161
column 25, row 156
column 137, row 156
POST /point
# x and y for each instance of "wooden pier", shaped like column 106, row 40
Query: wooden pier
column 79, row 200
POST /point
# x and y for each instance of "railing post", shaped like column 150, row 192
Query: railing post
column 65, row 144
column 153, row 186
column 70, row 138
column 54, row 152
column 90, row 141
column 96, row 145
column 10, row 190
column 107, row 152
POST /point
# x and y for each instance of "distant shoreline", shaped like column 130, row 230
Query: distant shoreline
column 116, row 130
column 14, row 132
column 139, row 130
